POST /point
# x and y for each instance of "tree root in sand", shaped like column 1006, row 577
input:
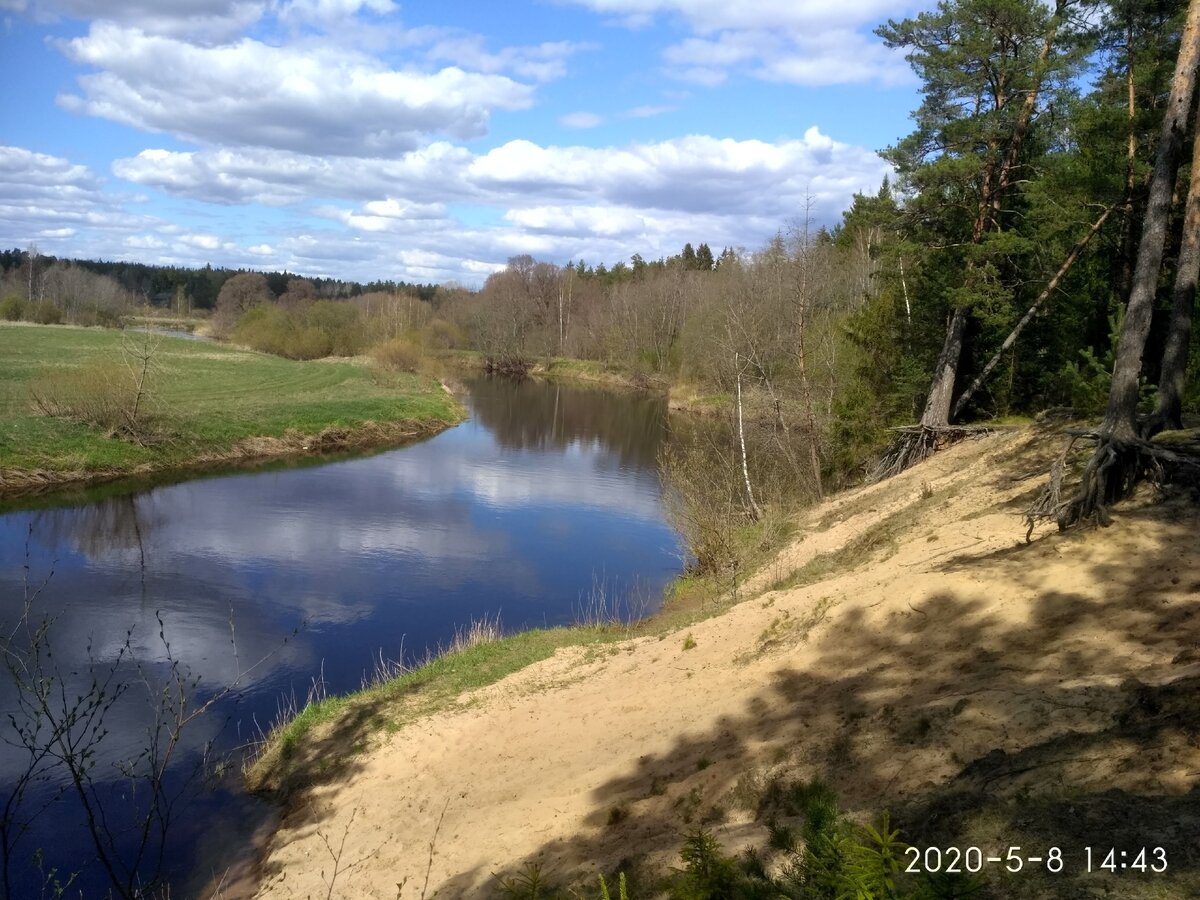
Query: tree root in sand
column 1115, row 468
column 915, row 443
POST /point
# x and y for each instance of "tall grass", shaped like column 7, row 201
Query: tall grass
column 475, row 634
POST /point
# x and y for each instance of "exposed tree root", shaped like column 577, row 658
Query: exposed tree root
column 1113, row 470
column 915, row 443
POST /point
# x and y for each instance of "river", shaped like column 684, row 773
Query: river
column 278, row 578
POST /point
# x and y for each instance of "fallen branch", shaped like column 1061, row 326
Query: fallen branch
column 1025, row 319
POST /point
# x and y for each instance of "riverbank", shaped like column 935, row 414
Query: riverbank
column 204, row 404
column 567, row 370
column 907, row 647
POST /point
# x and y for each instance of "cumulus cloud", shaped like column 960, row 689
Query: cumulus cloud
column 254, row 175
column 48, row 199
column 707, row 16
column 541, row 62
column 68, row 210
column 330, row 11
column 196, row 19
column 315, row 99
column 692, row 174
column 774, row 40
column 402, row 217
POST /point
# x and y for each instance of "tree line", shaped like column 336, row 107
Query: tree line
column 26, row 272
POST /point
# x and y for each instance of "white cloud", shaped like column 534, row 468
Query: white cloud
column 402, row 217
column 315, row 99
column 648, row 111
column 387, row 215
column 691, row 174
column 708, row 16
column 805, row 43
column 195, row 19
column 429, row 175
column 50, row 199
column 581, row 120
column 831, row 56
column 331, row 11
column 540, row 62
column 201, row 241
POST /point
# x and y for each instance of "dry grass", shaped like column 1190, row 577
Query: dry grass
column 101, row 395
column 399, row 354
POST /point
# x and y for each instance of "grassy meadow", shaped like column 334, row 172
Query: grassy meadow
column 202, row 402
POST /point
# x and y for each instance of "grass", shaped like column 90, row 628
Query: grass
column 207, row 400
column 394, row 700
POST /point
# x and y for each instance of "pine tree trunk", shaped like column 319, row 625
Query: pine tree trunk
column 1120, row 417
column 1125, row 282
column 941, row 391
column 1168, row 412
column 996, row 182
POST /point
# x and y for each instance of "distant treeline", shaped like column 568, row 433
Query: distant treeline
column 196, row 288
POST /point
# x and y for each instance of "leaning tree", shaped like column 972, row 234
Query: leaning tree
column 1123, row 454
column 986, row 68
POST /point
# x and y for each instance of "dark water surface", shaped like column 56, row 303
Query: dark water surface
column 313, row 573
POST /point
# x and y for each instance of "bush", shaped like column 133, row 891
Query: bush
column 442, row 335
column 45, row 313
column 399, row 355
column 12, row 308
column 101, row 395
column 307, row 330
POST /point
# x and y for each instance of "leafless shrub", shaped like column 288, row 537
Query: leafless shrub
column 98, row 394
column 703, row 500
column 63, row 721
column 399, row 354
column 114, row 397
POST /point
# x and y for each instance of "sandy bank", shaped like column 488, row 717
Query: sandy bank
column 915, row 653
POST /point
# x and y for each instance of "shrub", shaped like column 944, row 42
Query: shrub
column 442, row 335
column 101, row 395
column 45, row 313
column 399, row 354
column 707, row 873
column 305, row 330
column 12, row 308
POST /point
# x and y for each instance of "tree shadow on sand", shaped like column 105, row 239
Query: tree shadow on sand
column 1072, row 723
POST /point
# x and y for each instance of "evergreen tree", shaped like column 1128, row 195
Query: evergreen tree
column 987, row 66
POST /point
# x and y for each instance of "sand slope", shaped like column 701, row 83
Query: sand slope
column 983, row 689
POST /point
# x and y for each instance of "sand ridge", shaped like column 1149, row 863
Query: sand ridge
column 947, row 661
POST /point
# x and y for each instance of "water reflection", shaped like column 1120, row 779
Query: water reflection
column 514, row 513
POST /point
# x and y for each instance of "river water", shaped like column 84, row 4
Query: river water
column 275, row 578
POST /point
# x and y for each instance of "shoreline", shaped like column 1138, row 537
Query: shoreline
column 207, row 405
column 21, row 484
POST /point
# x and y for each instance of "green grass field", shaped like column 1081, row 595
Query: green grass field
column 204, row 398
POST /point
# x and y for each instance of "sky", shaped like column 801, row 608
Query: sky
column 432, row 141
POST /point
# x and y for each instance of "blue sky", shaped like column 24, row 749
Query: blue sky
column 370, row 139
